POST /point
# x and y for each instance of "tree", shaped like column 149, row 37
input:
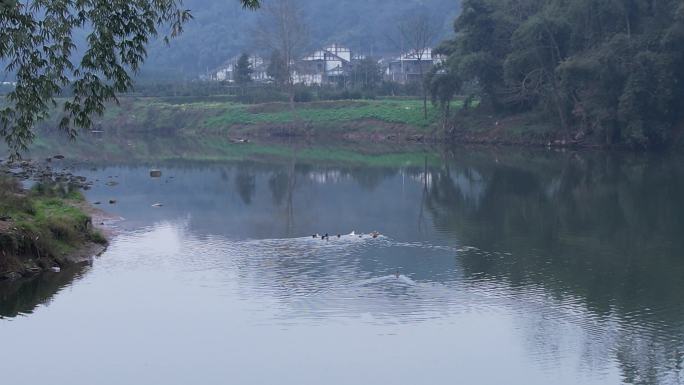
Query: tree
column 243, row 70
column 610, row 67
column 443, row 85
column 277, row 69
column 281, row 28
column 36, row 43
column 418, row 33
column 366, row 74
column 539, row 45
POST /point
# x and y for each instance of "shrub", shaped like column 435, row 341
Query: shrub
column 97, row 237
column 303, row 94
column 57, row 190
column 64, row 231
column 254, row 95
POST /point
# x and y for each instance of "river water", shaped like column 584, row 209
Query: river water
column 493, row 267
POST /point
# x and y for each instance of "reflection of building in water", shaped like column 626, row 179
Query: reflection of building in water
column 422, row 178
column 471, row 185
column 329, row 176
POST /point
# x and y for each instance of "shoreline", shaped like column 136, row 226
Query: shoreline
column 70, row 232
column 400, row 134
column 362, row 121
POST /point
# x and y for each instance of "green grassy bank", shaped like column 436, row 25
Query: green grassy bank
column 215, row 116
column 41, row 228
column 357, row 121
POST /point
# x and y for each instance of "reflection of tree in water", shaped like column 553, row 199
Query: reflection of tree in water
column 23, row 296
column 606, row 229
column 245, row 184
column 278, row 184
column 370, row 177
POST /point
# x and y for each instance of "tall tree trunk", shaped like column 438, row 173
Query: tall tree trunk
column 425, row 116
column 290, row 86
column 422, row 87
column 291, row 91
column 557, row 92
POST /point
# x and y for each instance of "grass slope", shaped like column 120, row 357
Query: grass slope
column 43, row 224
column 154, row 114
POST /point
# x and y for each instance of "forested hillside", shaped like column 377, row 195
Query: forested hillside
column 221, row 29
column 609, row 68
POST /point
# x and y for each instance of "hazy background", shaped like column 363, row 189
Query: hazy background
column 221, row 29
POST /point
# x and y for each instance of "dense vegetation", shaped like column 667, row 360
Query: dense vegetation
column 609, row 68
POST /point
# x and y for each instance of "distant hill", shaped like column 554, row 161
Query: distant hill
column 221, row 29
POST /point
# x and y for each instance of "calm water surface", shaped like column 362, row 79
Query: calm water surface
column 541, row 268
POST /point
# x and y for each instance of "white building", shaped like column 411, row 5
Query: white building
column 408, row 66
column 329, row 65
column 227, row 70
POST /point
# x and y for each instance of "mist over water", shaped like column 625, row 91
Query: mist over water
column 492, row 268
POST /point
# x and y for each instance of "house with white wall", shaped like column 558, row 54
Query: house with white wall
column 226, row 71
column 329, row 65
column 408, row 66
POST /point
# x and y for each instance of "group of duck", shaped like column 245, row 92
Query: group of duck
column 326, row 236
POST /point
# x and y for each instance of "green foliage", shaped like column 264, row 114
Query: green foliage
column 610, row 67
column 443, row 88
column 366, row 74
column 45, row 222
column 36, row 42
column 303, row 94
column 254, row 95
column 243, row 70
column 277, row 68
column 11, row 199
